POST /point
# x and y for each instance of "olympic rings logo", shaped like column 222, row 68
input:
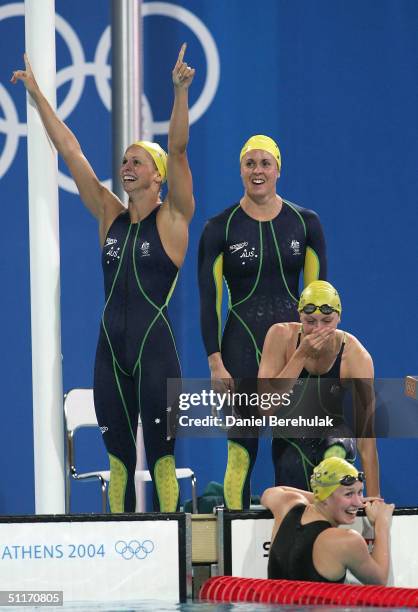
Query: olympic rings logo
column 129, row 550
column 100, row 70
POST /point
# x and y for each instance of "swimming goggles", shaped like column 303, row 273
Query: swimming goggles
column 326, row 309
column 349, row 480
column 346, row 481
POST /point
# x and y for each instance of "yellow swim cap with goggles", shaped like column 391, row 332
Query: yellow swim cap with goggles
column 320, row 296
column 264, row 143
column 332, row 473
column 158, row 155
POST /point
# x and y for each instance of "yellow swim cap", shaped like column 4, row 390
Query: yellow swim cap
column 264, row 143
column 327, row 476
column 320, row 293
column 158, row 155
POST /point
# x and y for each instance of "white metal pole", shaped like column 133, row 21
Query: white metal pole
column 44, row 269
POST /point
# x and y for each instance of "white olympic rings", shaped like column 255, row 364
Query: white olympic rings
column 100, row 70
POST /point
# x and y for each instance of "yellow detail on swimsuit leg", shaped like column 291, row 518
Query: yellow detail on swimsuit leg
column 166, row 483
column 117, row 484
column 235, row 475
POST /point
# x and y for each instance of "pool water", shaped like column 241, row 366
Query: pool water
column 162, row 606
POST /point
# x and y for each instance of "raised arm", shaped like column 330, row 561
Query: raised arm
column 315, row 266
column 95, row 196
column 370, row 568
column 180, row 185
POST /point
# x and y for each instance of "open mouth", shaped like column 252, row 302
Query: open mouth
column 352, row 513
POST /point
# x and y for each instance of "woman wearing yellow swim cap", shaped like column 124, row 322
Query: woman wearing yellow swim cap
column 260, row 246
column 143, row 248
column 317, row 362
column 306, row 543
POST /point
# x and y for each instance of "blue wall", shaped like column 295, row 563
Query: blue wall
column 335, row 83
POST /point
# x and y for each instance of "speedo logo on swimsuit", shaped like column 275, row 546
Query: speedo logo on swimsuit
column 237, row 247
column 112, row 252
column 145, row 249
column 104, row 429
column 295, row 246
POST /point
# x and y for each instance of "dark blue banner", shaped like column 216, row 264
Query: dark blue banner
column 333, row 82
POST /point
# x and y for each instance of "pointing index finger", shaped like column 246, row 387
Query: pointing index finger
column 182, row 52
column 26, row 60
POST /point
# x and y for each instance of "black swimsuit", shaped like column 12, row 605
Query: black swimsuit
column 295, row 458
column 291, row 550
